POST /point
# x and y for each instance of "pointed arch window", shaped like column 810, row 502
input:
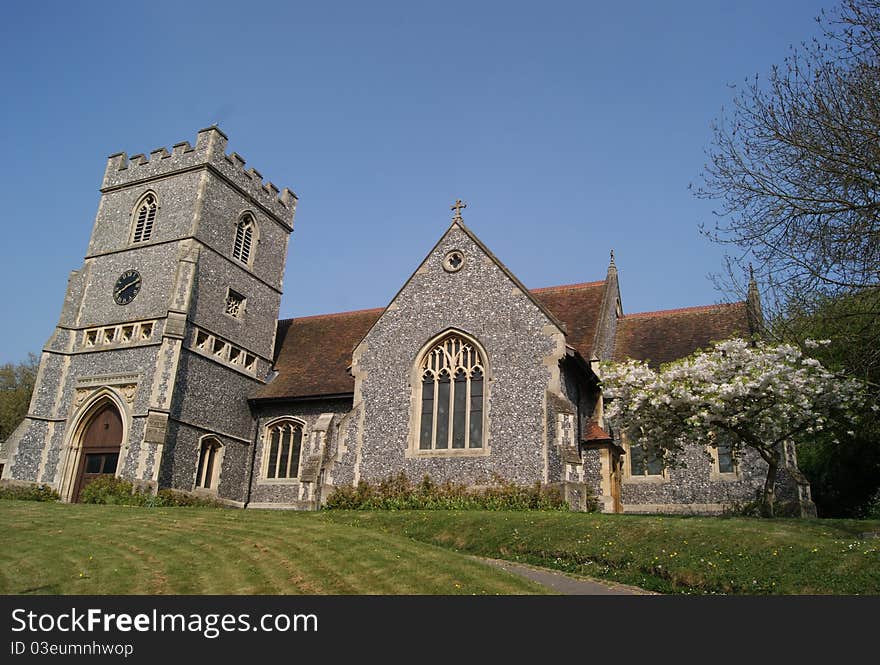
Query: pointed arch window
column 208, row 471
column 144, row 217
column 452, row 393
column 244, row 239
column 282, row 449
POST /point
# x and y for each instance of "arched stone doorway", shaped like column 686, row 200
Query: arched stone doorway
column 99, row 444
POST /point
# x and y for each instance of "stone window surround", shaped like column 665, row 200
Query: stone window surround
column 454, row 260
column 216, row 471
column 413, row 440
column 232, row 294
column 264, row 451
column 628, row 476
column 134, row 218
column 716, row 475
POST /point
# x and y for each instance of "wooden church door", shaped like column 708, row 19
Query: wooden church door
column 100, row 443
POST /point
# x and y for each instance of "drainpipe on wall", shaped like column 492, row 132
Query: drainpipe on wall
column 250, row 473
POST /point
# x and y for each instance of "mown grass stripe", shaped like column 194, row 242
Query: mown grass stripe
column 660, row 553
column 124, row 550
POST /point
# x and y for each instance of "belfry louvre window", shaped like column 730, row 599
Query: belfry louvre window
column 451, row 417
column 144, row 217
column 284, row 445
column 244, row 239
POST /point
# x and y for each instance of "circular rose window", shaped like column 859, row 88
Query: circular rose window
column 453, row 261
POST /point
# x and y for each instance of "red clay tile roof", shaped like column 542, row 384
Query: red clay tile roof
column 577, row 305
column 661, row 337
column 313, row 354
column 595, row 433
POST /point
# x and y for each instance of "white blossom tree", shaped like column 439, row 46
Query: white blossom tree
column 757, row 396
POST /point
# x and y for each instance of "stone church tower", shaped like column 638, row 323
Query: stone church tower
column 165, row 330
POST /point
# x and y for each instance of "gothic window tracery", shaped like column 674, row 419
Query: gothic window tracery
column 235, row 304
column 452, row 396
column 282, row 449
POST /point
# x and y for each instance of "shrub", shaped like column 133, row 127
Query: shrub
column 872, row 509
column 169, row 497
column 108, row 490
column 28, row 493
column 116, row 491
column 399, row 493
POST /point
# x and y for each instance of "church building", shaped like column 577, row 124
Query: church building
column 169, row 366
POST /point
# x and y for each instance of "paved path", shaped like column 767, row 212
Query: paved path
column 565, row 584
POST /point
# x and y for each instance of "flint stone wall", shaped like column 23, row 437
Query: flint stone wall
column 480, row 300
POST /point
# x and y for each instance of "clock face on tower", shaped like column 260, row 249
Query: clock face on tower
column 127, row 287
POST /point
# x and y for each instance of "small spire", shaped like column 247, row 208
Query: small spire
column 753, row 305
column 457, row 207
column 612, row 257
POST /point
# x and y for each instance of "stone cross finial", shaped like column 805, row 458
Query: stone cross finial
column 459, row 205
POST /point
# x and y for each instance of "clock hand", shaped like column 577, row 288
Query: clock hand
column 127, row 286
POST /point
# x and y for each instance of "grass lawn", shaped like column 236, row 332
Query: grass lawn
column 51, row 548
column 86, row 549
column 669, row 554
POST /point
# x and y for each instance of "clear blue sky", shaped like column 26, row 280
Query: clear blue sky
column 568, row 128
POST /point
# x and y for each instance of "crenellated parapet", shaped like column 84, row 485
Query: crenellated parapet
column 209, row 150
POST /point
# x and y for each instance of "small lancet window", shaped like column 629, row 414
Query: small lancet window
column 726, row 461
column 244, row 239
column 451, row 413
column 208, row 468
column 144, row 217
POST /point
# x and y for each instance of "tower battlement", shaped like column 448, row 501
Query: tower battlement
column 209, row 150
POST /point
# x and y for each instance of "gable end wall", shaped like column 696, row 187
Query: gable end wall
column 523, row 347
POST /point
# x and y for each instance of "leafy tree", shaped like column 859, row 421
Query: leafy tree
column 844, row 480
column 756, row 396
column 16, row 386
column 795, row 164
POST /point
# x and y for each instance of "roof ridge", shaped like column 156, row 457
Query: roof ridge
column 543, row 289
column 330, row 314
column 562, row 287
column 680, row 310
column 563, row 328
